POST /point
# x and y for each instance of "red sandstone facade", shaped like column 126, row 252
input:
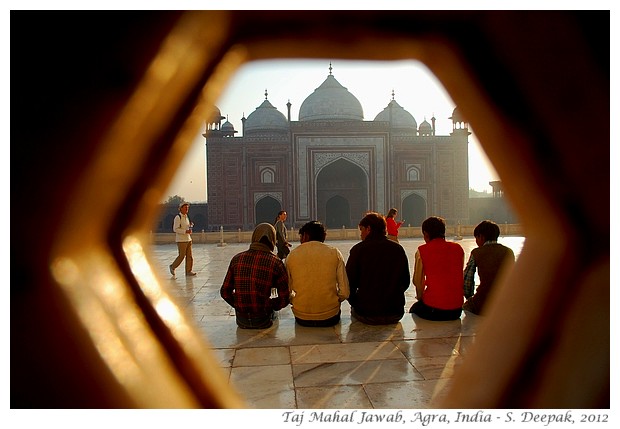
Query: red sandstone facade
column 333, row 166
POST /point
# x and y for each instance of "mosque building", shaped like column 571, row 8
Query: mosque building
column 333, row 166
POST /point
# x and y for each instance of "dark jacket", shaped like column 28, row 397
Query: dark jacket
column 378, row 272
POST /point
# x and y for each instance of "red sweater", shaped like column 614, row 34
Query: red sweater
column 392, row 226
column 443, row 270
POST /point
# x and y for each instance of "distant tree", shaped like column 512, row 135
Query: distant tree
column 175, row 200
column 477, row 194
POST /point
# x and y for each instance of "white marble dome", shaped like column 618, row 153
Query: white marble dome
column 227, row 126
column 331, row 102
column 397, row 116
column 265, row 118
column 425, row 129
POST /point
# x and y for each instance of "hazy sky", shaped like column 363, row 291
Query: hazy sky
column 415, row 89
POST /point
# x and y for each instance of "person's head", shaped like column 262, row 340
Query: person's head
column 265, row 233
column 312, row 231
column 184, row 207
column 372, row 224
column 434, row 227
column 486, row 231
column 392, row 213
column 281, row 215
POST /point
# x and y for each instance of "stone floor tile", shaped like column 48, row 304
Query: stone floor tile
column 408, row 394
column 265, row 386
column 224, row 357
column 318, row 353
column 333, row 397
column 429, row 347
column 433, row 367
column 351, row 373
column 355, row 331
column 256, row 356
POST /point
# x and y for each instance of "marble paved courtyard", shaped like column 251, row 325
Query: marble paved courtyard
column 351, row 365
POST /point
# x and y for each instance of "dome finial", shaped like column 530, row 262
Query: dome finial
column 330, row 68
column 392, row 93
column 265, row 93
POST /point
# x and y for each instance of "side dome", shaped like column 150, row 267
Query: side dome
column 397, row 116
column 425, row 129
column 227, row 129
column 331, row 102
column 456, row 115
column 215, row 121
column 265, row 118
column 217, row 115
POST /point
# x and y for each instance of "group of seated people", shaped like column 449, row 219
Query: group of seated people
column 314, row 278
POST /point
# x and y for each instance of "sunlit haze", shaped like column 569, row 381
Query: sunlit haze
column 415, row 88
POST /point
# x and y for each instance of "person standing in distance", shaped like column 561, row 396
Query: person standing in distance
column 378, row 272
column 392, row 225
column 317, row 278
column 182, row 228
column 438, row 274
column 282, row 235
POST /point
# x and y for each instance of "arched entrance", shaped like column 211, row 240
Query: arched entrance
column 266, row 210
column 338, row 212
column 413, row 210
column 342, row 194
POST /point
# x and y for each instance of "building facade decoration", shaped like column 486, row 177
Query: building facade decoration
column 332, row 166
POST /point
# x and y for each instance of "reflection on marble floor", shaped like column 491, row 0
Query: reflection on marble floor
column 350, row 365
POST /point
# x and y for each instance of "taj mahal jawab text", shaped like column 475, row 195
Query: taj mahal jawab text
column 334, row 166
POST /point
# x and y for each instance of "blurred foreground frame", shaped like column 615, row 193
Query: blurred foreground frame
column 104, row 105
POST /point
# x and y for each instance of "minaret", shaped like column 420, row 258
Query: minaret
column 433, row 123
column 390, row 105
column 288, row 107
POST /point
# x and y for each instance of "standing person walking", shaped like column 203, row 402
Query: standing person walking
column 392, row 225
column 282, row 235
column 182, row 227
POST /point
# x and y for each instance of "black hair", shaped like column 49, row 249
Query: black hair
column 279, row 213
column 435, row 227
column 487, row 229
column 375, row 222
column 315, row 230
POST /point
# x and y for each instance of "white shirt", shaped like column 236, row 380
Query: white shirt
column 181, row 224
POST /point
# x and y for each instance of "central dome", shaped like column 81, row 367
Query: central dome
column 331, row 102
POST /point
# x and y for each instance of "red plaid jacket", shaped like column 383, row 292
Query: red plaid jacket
column 248, row 282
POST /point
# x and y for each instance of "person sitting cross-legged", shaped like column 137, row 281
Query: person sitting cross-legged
column 378, row 271
column 488, row 258
column 251, row 276
column 317, row 278
column 438, row 274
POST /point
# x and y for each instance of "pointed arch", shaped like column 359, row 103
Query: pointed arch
column 347, row 181
column 266, row 209
column 414, row 209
